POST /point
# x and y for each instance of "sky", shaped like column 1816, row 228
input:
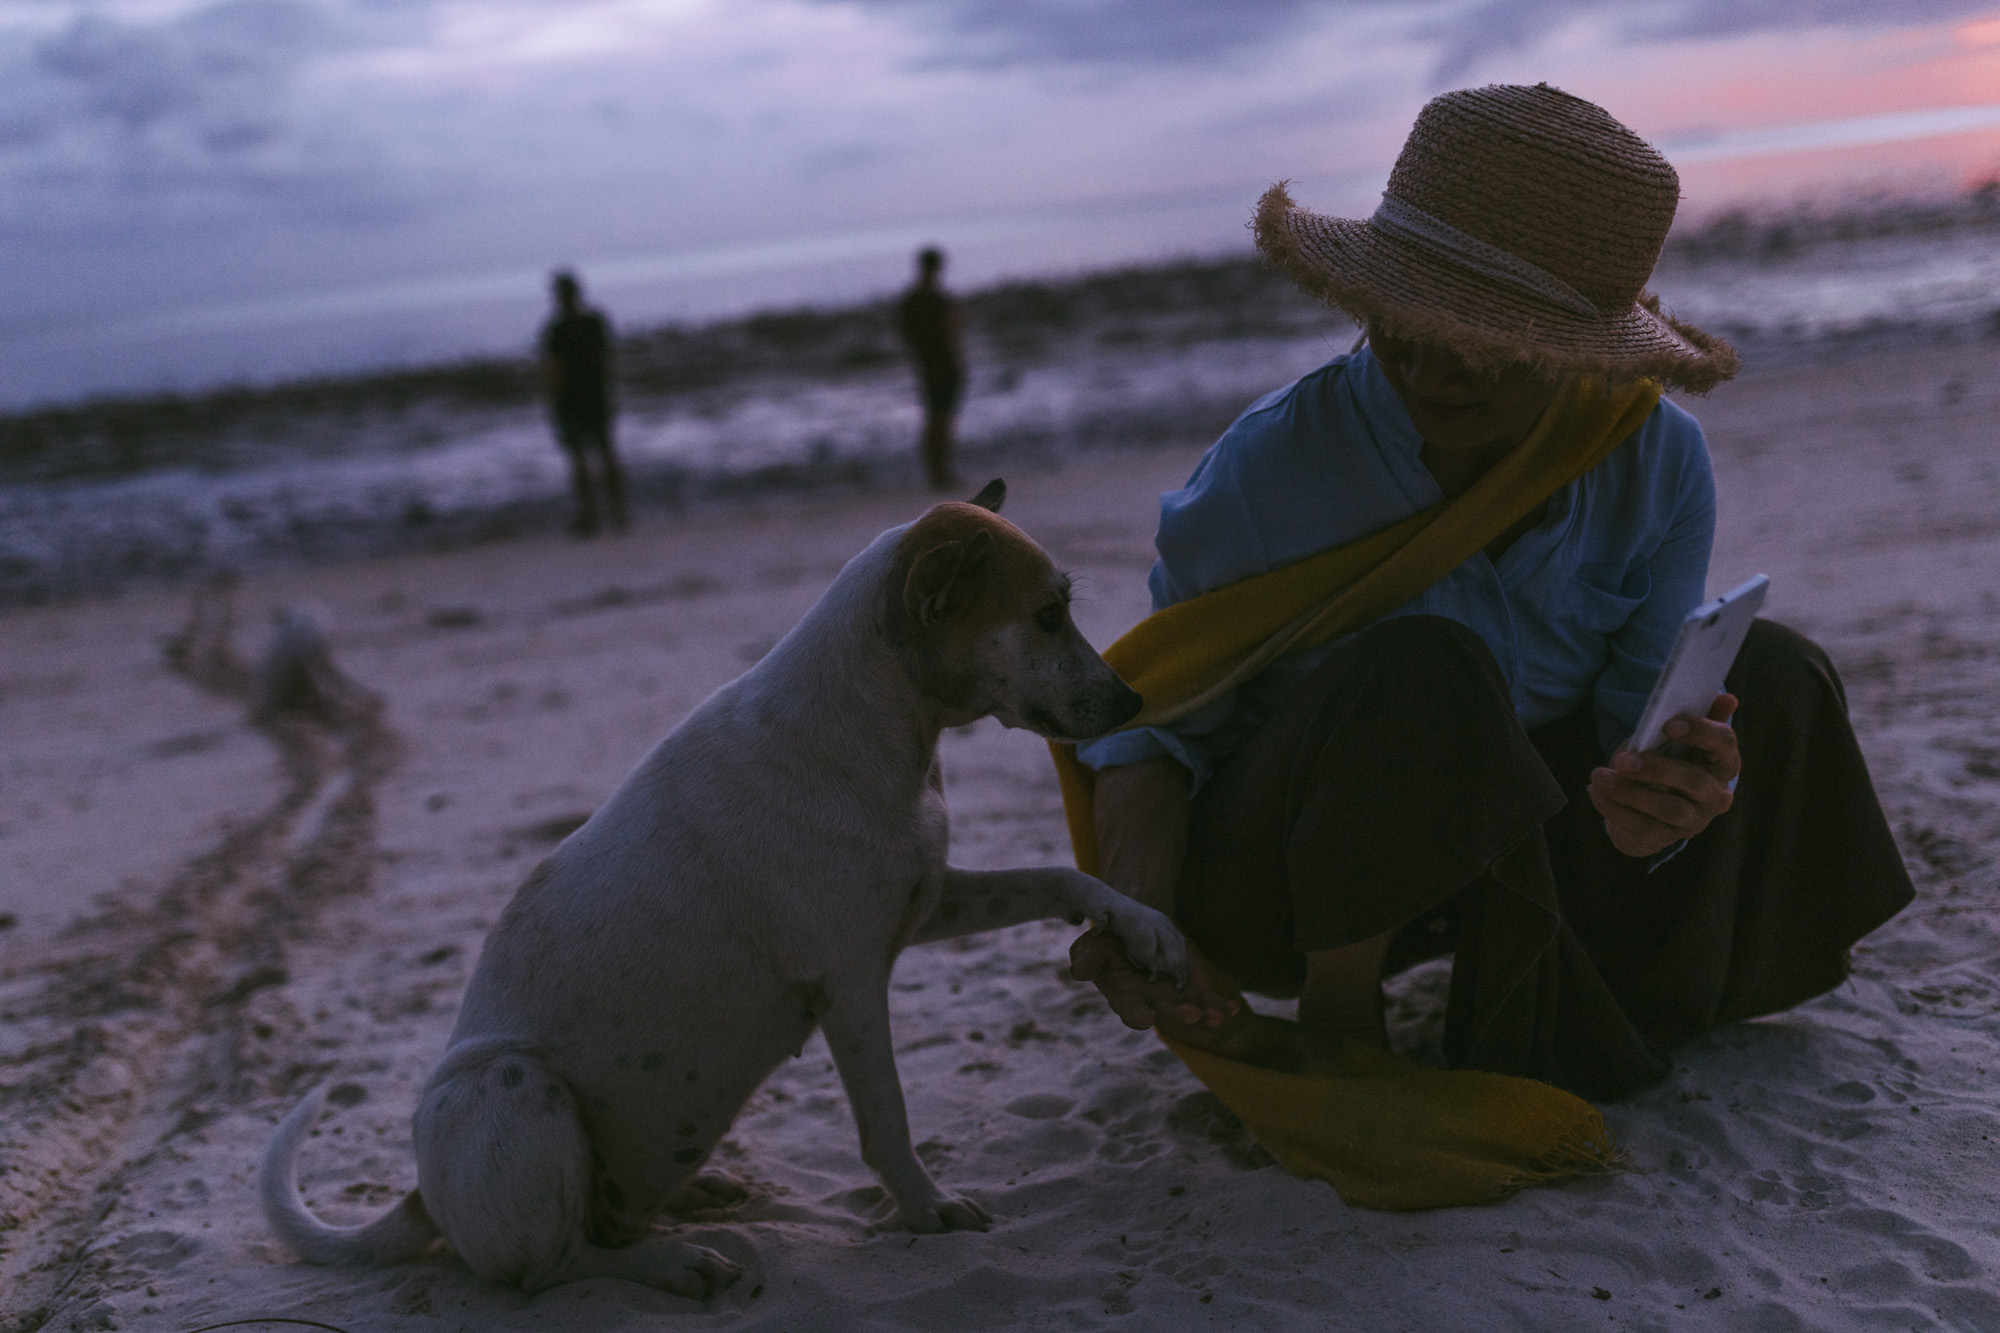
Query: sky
column 205, row 191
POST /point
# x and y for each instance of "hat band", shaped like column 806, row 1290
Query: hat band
column 1401, row 218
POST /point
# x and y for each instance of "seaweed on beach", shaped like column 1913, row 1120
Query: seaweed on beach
column 107, row 493
column 1011, row 327
column 240, row 426
column 1784, row 234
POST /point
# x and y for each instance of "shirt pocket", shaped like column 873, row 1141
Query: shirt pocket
column 1604, row 594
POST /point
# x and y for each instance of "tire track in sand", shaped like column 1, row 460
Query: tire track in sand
column 120, row 1037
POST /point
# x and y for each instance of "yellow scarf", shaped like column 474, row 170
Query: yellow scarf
column 1387, row 1132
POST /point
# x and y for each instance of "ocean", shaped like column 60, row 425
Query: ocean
column 103, row 495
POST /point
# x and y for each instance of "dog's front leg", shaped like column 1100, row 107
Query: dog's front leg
column 855, row 1018
column 977, row 900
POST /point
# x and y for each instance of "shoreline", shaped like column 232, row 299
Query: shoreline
column 65, row 542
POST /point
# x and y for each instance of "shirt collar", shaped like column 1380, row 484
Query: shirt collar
column 1397, row 437
column 1384, row 412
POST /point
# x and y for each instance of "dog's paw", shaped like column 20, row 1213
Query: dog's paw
column 1152, row 943
column 946, row 1214
column 694, row 1271
column 707, row 1191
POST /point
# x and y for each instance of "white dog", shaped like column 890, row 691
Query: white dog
column 753, row 878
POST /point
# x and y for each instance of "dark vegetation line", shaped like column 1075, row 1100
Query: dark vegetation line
column 1013, row 324
column 1771, row 236
column 1017, row 323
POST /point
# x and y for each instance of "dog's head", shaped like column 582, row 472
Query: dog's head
column 980, row 619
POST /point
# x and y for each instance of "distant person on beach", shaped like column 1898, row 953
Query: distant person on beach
column 576, row 375
column 1407, row 611
column 931, row 326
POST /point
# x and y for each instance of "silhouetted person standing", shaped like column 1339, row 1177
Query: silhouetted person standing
column 576, row 372
column 931, row 323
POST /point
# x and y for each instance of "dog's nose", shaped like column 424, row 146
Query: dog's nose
column 1125, row 705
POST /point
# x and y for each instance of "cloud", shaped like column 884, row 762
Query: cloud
column 201, row 102
column 1729, row 18
column 223, row 69
column 996, row 33
column 818, row 161
column 1487, row 27
column 165, row 155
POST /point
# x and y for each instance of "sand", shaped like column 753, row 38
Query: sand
column 209, row 918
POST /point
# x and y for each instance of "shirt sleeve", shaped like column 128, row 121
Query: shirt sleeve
column 1677, row 576
column 1143, row 743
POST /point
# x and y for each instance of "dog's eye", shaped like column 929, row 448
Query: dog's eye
column 1050, row 617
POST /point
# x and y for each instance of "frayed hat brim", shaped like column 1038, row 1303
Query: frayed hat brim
column 1410, row 292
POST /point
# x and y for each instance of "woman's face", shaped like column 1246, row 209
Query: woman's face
column 1457, row 408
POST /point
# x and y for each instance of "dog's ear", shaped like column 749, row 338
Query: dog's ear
column 992, row 495
column 943, row 578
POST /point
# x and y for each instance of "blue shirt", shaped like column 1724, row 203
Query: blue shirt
column 1582, row 608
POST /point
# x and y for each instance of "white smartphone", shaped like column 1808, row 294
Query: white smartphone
column 1699, row 661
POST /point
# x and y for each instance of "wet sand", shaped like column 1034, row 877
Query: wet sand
column 210, row 917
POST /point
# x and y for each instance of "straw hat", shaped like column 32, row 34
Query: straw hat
column 1520, row 225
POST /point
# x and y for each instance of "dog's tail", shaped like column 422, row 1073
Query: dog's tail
column 404, row 1232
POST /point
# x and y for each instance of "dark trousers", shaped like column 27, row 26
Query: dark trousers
column 1395, row 788
column 586, row 439
column 941, row 390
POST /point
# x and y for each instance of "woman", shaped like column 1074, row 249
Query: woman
column 1448, row 777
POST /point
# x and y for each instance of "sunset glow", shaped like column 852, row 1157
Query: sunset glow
column 179, row 160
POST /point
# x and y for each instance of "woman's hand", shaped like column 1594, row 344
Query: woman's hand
column 1650, row 802
column 1142, row 833
column 1139, row 1000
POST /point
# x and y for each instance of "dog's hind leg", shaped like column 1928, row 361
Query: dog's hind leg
column 855, row 1018
column 506, row 1170
column 979, row 900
